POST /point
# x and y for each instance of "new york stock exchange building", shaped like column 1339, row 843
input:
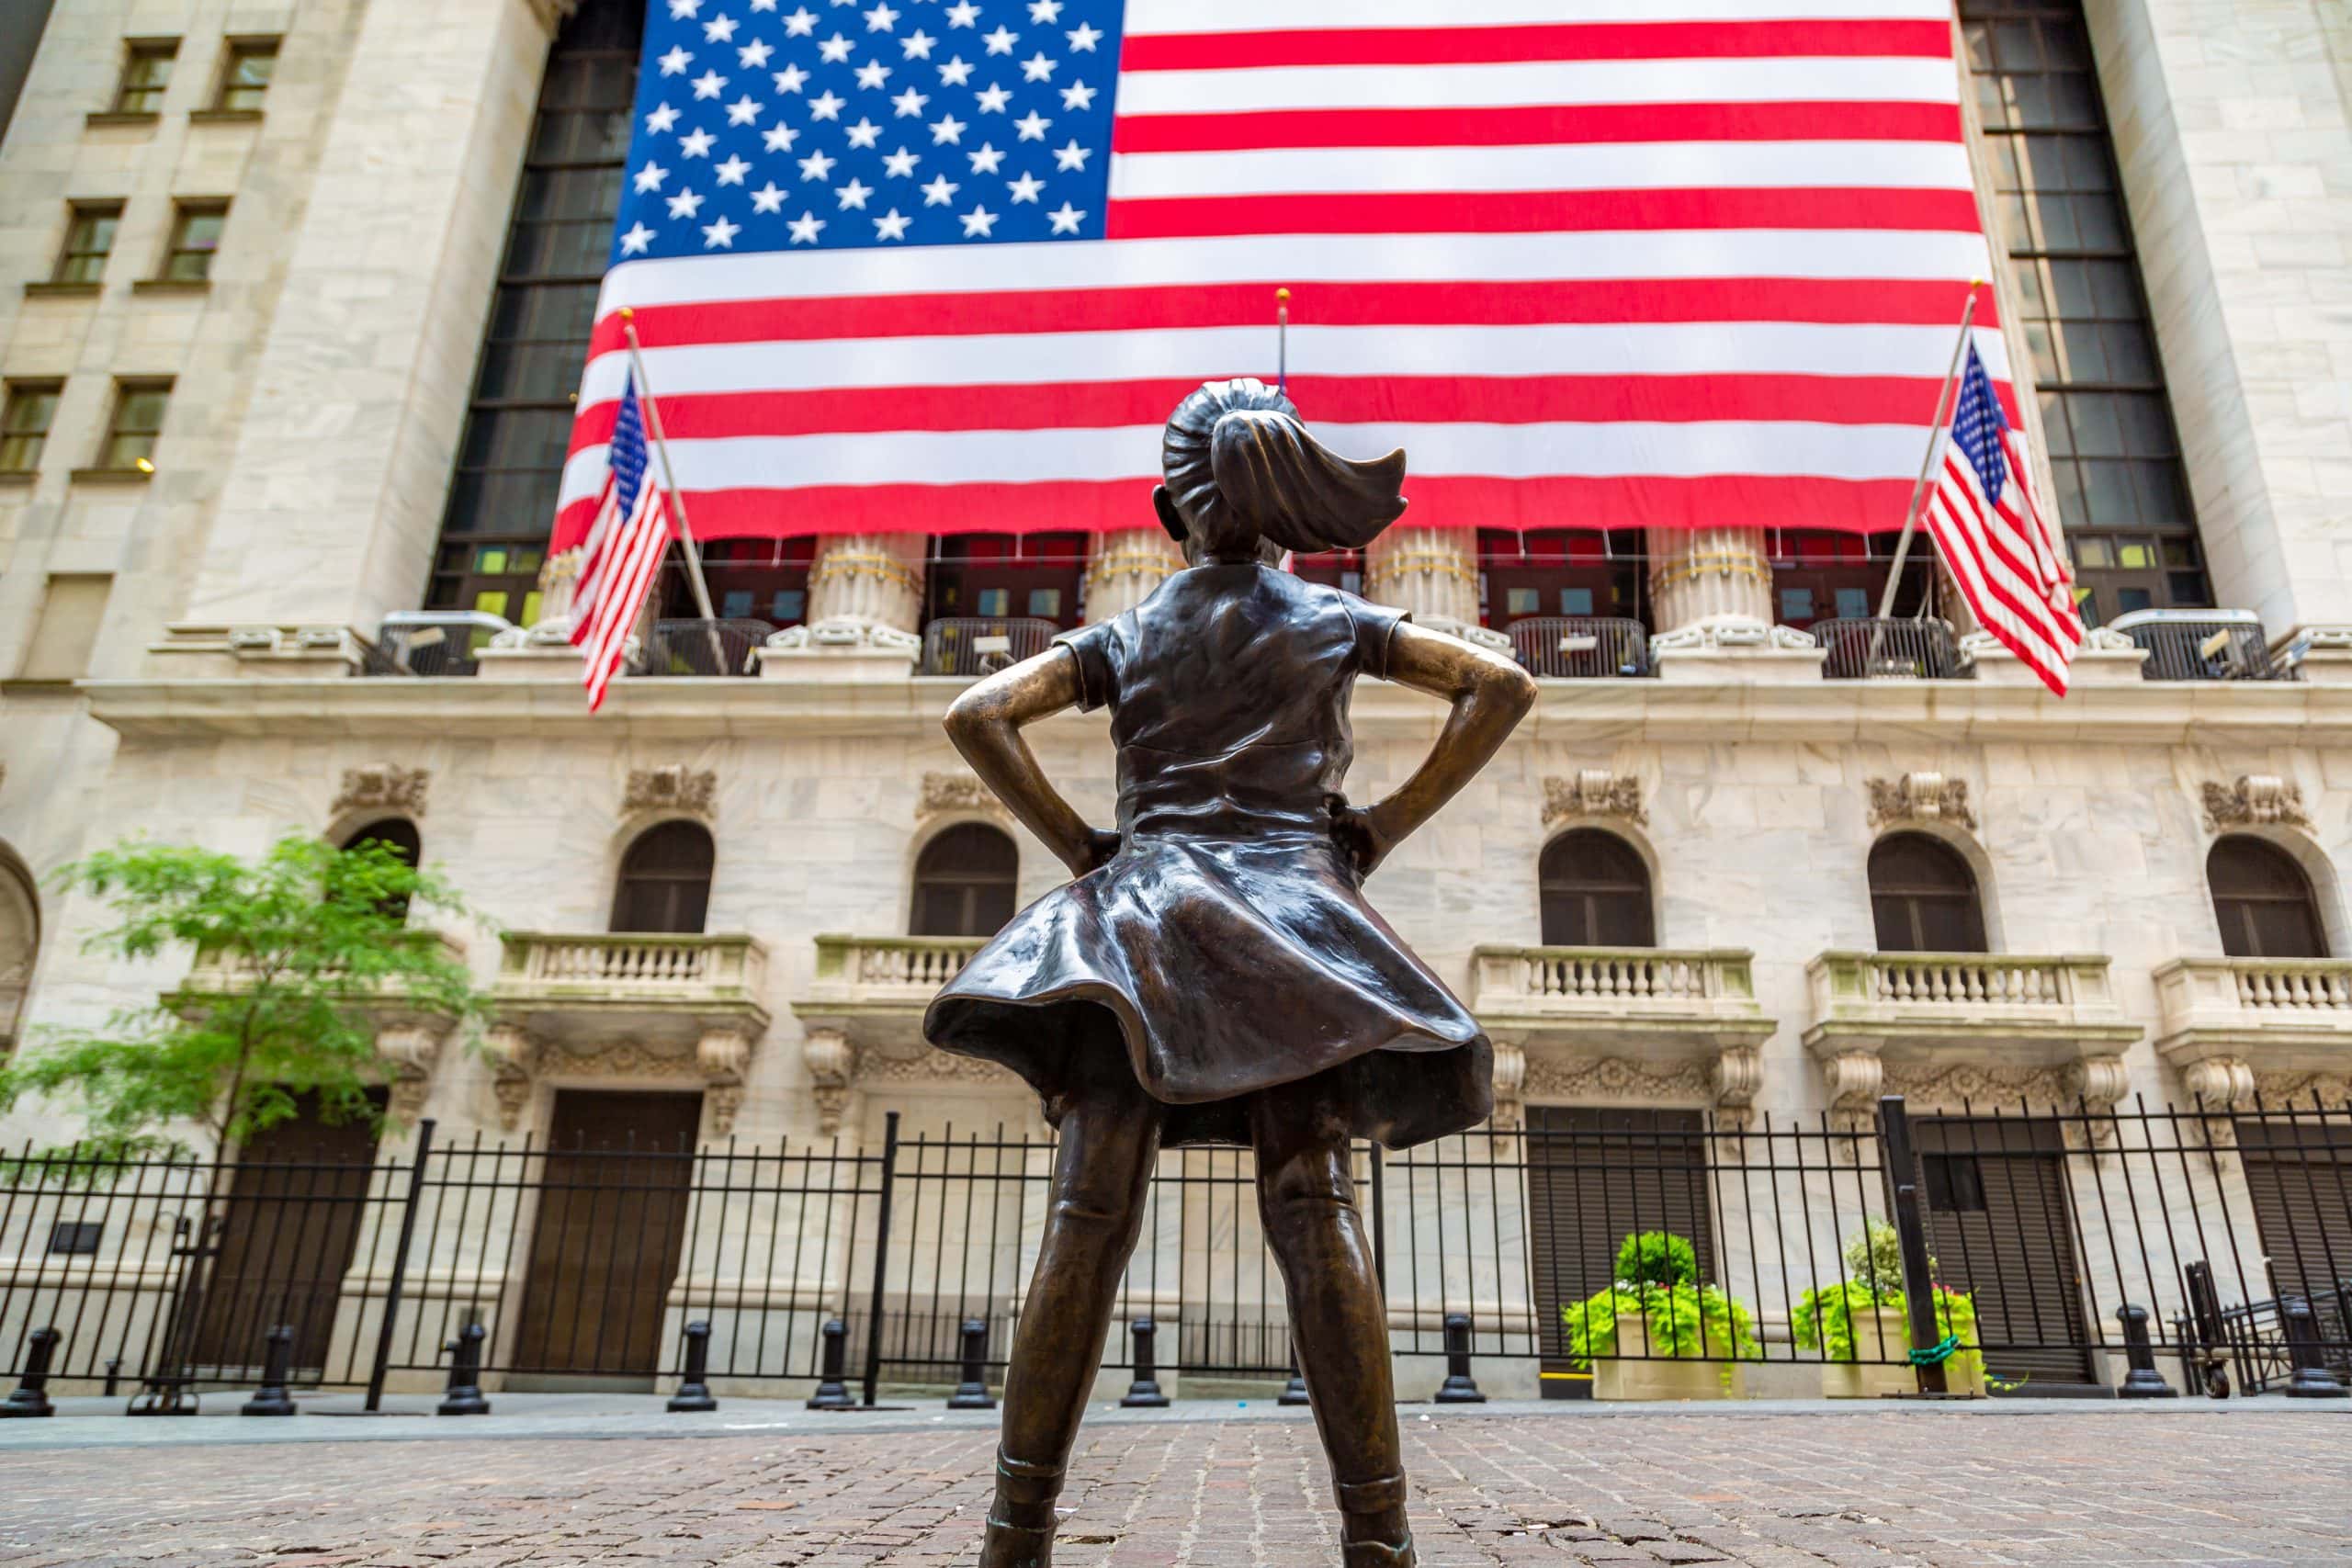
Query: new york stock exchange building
column 295, row 297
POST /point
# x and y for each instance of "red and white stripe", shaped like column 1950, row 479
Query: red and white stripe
column 1673, row 263
column 1998, row 552
column 622, row 558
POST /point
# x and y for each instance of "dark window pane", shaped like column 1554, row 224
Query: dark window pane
column 2263, row 901
column 1596, row 892
column 966, row 883
column 1923, row 897
column 666, row 880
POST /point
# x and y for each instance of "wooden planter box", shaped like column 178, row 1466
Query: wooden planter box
column 1875, row 1380
column 1634, row 1376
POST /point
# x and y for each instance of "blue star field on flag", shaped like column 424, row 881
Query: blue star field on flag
column 783, row 125
column 1978, row 427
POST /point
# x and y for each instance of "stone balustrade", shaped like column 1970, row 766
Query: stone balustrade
column 1574, row 981
column 873, row 975
column 630, row 967
column 861, row 1019
column 2228, row 1023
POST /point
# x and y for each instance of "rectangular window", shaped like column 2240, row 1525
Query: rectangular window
column 89, row 238
column 67, row 629
column 196, row 235
column 138, row 419
column 76, row 1238
column 25, row 420
column 244, row 80
column 992, row 601
column 1576, row 601
column 1955, row 1183
column 146, row 73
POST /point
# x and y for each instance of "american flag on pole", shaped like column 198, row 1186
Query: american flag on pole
column 946, row 264
column 1990, row 533
column 627, row 536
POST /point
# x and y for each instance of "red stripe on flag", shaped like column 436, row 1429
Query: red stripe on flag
column 1537, row 125
column 1492, row 212
column 1565, row 41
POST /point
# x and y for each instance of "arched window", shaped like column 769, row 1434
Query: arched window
column 666, row 880
column 2264, row 901
column 965, row 882
column 19, row 946
column 1596, row 892
column 400, row 835
column 1924, row 896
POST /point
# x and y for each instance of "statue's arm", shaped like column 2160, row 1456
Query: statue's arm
column 985, row 723
column 1489, row 694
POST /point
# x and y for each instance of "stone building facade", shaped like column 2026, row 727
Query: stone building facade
column 1689, row 883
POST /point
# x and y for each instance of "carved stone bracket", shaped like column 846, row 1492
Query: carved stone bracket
column 1594, row 792
column 410, row 1050
column 832, row 1064
column 674, row 788
column 1510, row 1088
column 1855, row 1079
column 2255, row 799
column 944, row 793
column 512, row 1053
column 385, row 788
column 1921, row 797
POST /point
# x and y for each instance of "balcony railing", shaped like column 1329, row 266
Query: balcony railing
column 2275, row 1013
column 1897, row 648
column 1928, row 997
column 434, row 642
column 900, row 970
column 2202, row 645
column 1580, row 647
column 1646, row 1002
column 688, row 647
column 630, row 965
column 976, row 645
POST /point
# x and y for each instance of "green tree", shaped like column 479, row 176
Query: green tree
column 304, row 950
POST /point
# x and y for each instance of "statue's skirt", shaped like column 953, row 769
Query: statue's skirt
column 1224, row 968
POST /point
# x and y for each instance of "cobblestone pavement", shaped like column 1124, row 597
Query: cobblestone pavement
column 2104, row 1485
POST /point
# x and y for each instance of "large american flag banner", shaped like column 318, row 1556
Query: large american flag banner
column 948, row 265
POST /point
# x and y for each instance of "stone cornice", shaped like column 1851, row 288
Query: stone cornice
column 2219, row 715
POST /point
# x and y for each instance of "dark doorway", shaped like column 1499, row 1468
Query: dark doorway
column 2001, row 1229
column 611, row 1223
column 288, row 1230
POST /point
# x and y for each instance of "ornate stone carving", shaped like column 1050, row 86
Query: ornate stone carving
column 832, row 1062
column 385, row 788
column 1734, row 632
column 409, row 1090
column 931, row 1066
column 1510, row 1088
column 956, row 792
column 1594, row 792
column 723, row 1056
column 1855, row 1079
column 1921, row 797
column 410, row 1051
column 1979, row 1086
column 1738, row 1075
column 2286, row 1091
column 1615, row 1078
column 2255, row 799
column 2218, row 1083
column 674, row 788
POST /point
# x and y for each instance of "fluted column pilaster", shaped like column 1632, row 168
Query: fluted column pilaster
column 868, row 579
column 1433, row 573
column 1124, row 567
column 1707, row 576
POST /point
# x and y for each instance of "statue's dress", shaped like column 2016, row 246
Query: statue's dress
column 1227, row 947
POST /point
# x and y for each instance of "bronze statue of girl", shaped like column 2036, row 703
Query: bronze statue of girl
column 1214, row 973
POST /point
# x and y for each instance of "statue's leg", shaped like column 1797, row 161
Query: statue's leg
column 1307, row 1195
column 1110, row 1134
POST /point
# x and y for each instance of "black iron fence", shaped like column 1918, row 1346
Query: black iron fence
column 1627, row 1253
column 1897, row 649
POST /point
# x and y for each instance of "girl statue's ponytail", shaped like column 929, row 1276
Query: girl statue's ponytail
column 1238, row 463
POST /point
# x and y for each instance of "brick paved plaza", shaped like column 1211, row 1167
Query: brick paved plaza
column 1797, row 1489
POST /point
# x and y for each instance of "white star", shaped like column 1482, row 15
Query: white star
column 744, row 110
column 978, row 222
column 917, row 44
column 1037, row 68
column 854, row 193
column 827, row 105
column 695, row 145
column 816, row 166
column 1032, row 126
column 801, row 24
column 864, row 133
column 834, row 51
column 872, row 74
column 946, row 128
column 790, row 78
column 720, row 236
column 1078, row 96
column 732, row 172
column 781, row 137
column 1064, row 219
column 910, row 103
column 891, row 225
column 1084, row 37
column 1045, row 10
column 685, row 204
column 963, row 14
column 649, row 177
column 938, row 192
column 1071, row 155
column 762, row 4
column 682, row 8
column 674, row 64
column 769, row 198
column 709, row 84
column 719, row 30
column 803, row 228
column 955, row 72
column 1026, row 188
column 994, row 99
column 755, row 54
column 901, row 164
column 986, row 160
column 637, row 241
column 1000, row 41
column 661, row 121
column 880, row 19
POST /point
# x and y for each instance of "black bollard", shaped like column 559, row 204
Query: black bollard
column 277, row 1363
column 31, row 1395
column 1143, row 1393
column 463, row 1397
column 2142, row 1382
column 1294, row 1392
column 1458, row 1388
column 833, row 1389
column 693, row 1389
column 972, row 1393
column 2311, row 1379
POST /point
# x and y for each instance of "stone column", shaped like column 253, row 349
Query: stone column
column 868, row 580
column 1707, row 577
column 1433, row 573
column 1123, row 569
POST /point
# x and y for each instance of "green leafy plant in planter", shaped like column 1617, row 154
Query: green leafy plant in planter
column 1823, row 1319
column 1657, row 1276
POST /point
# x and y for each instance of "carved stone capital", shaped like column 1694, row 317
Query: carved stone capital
column 723, row 1055
column 1921, row 797
column 383, row 788
column 944, row 793
column 2255, row 799
column 693, row 792
column 1594, row 792
column 411, row 1046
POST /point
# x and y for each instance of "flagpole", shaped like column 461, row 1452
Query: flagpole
column 670, row 480
column 1282, row 340
column 1935, row 434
